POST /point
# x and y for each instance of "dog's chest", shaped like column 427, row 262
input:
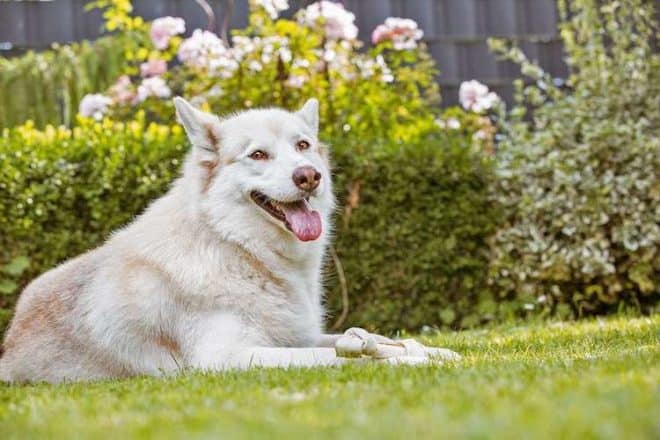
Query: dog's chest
column 288, row 315
column 277, row 307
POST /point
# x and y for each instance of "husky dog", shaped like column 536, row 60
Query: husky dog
column 223, row 271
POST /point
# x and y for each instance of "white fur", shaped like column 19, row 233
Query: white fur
column 204, row 278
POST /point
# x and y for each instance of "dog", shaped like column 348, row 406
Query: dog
column 224, row 271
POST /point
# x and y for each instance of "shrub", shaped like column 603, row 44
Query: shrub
column 580, row 175
column 63, row 191
column 46, row 87
column 411, row 237
column 387, row 91
column 412, row 234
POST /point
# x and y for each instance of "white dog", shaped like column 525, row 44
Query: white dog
column 224, row 271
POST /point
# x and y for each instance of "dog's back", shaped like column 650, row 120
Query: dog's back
column 43, row 329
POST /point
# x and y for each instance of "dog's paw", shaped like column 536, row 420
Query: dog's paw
column 407, row 360
column 442, row 354
column 357, row 342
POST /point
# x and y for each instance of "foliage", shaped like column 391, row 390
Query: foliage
column 587, row 380
column 63, row 191
column 579, row 176
column 412, row 236
column 383, row 92
column 46, row 87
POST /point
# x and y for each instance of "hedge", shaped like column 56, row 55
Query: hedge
column 412, row 236
column 413, row 244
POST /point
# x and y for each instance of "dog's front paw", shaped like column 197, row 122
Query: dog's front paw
column 414, row 348
column 357, row 342
column 406, row 360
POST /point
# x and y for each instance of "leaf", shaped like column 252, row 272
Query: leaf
column 447, row 315
column 7, row 287
column 16, row 266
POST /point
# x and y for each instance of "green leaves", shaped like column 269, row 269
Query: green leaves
column 11, row 271
column 16, row 266
column 577, row 178
column 415, row 248
column 64, row 191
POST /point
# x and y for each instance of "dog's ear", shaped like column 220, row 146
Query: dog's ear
column 201, row 127
column 310, row 114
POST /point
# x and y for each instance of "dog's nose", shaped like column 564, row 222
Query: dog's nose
column 306, row 178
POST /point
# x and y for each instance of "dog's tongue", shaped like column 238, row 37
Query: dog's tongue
column 302, row 220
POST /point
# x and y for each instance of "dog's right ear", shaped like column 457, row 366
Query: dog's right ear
column 201, row 127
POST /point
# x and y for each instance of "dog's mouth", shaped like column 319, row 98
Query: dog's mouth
column 297, row 216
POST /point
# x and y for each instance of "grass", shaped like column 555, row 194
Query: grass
column 595, row 379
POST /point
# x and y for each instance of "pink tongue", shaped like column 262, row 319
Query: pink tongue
column 305, row 223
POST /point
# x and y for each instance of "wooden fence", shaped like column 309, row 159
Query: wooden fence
column 455, row 30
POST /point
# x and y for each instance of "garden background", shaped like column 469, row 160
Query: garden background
column 451, row 216
column 502, row 220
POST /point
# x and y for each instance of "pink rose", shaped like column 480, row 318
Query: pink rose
column 338, row 23
column 404, row 33
column 154, row 86
column 163, row 28
column 122, row 91
column 476, row 97
column 153, row 68
column 380, row 34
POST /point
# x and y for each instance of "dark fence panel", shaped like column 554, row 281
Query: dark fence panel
column 455, row 30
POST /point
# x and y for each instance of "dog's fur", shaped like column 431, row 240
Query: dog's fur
column 204, row 278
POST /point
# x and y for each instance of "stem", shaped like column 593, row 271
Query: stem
column 344, row 289
column 208, row 10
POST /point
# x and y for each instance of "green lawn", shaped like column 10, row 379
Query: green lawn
column 596, row 379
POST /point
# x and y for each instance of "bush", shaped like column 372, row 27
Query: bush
column 46, row 87
column 387, row 91
column 63, row 191
column 580, row 176
column 412, row 237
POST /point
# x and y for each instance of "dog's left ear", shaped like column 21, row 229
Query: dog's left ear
column 310, row 114
column 201, row 127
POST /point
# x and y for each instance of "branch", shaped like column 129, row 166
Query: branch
column 344, row 289
column 226, row 19
column 208, row 10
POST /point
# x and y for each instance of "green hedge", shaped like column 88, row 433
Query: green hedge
column 413, row 240
column 62, row 192
column 413, row 246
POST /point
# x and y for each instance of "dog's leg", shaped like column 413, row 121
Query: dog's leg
column 285, row 357
column 282, row 357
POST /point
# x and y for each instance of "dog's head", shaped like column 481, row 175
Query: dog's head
column 260, row 169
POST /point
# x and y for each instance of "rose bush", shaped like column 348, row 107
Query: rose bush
column 387, row 91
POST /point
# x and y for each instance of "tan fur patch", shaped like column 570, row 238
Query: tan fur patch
column 214, row 139
column 168, row 343
column 262, row 270
column 211, row 167
column 41, row 314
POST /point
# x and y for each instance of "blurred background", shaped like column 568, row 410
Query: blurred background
column 494, row 159
column 455, row 31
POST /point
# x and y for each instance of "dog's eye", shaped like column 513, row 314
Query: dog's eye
column 259, row 155
column 302, row 145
